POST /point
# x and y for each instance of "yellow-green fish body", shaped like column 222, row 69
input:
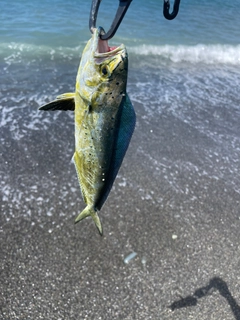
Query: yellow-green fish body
column 104, row 120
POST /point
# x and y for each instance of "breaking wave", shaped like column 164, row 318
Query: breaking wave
column 14, row 52
column 201, row 53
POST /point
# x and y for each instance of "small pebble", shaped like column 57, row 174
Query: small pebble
column 144, row 260
column 130, row 257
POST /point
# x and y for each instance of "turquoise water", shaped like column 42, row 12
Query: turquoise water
column 42, row 41
column 38, row 36
column 65, row 23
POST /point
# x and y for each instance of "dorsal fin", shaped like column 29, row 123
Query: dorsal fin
column 126, row 127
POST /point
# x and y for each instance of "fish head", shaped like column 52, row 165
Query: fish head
column 103, row 70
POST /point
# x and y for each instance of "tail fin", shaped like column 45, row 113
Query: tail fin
column 90, row 211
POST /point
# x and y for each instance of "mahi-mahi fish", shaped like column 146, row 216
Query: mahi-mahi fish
column 104, row 120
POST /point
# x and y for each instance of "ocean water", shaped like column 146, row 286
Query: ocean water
column 187, row 68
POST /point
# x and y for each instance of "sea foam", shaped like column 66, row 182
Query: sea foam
column 200, row 53
column 209, row 54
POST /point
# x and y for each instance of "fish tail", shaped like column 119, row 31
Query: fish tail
column 90, row 211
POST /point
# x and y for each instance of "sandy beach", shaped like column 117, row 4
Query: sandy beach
column 169, row 204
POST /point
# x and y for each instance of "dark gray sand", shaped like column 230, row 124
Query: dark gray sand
column 175, row 203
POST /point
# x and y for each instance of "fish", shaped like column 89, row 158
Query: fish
column 104, row 120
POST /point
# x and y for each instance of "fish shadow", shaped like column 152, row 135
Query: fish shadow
column 214, row 284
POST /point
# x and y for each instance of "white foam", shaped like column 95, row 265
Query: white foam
column 206, row 53
column 209, row 54
column 15, row 52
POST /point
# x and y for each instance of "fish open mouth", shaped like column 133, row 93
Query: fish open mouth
column 103, row 51
column 103, row 47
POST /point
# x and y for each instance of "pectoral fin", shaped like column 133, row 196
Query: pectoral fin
column 64, row 102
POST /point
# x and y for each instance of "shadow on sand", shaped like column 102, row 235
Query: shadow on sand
column 214, row 284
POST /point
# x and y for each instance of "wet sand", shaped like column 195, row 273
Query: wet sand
column 175, row 203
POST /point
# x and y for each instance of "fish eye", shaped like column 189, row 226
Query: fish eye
column 104, row 70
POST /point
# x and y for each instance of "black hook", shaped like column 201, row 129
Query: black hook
column 166, row 7
column 122, row 9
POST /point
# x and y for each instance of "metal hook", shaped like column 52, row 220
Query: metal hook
column 166, row 7
column 122, row 9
